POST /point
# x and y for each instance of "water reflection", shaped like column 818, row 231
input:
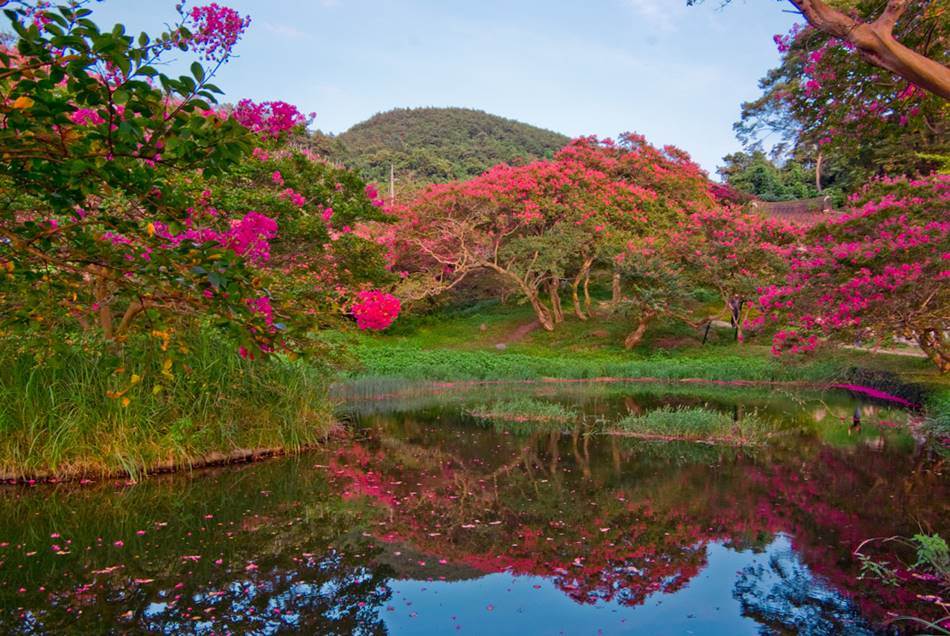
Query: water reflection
column 427, row 521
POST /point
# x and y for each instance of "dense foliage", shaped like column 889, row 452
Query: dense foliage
column 824, row 101
column 131, row 203
column 546, row 223
column 425, row 145
column 753, row 173
column 878, row 271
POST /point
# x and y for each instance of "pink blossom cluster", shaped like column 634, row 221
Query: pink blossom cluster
column 375, row 310
column 269, row 119
column 877, row 269
column 86, row 117
column 262, row 306
column 248, row 236
column 216, row 29
column 295, row 197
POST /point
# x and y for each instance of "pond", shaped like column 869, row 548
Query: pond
column 447, row 510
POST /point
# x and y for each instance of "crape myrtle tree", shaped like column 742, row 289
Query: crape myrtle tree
column 878, row 271
column 129, row 202
column 845, row 117
column 888, row 35
column 654, row 285
column 736, row 253
column 550, row 222
column 526, row 224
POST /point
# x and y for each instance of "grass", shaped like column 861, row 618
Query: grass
column 82, row 413
column 524, row 409
column 694, row 424
column 473, row 343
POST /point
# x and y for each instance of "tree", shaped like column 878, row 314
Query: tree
column 550, row 221
column 754, row 174
column 871, row 34
column 876, row 272
column 652, row 285
column 128, row 201
column 830, row 106
column 736, row 253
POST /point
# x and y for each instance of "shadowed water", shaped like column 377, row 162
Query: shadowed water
column 429, row 520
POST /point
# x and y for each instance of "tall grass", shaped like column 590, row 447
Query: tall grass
column 524, row 409
column 699, row 424
column 89, row 411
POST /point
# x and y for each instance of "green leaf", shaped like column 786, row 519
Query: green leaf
column 198, row 71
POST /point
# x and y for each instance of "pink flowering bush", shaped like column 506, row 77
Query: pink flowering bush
column 375, row 310
column 269, row 119
column 882, row 269
column 160, row 210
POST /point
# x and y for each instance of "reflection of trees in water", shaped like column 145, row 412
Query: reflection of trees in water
column 607, row 519
column 784, row 597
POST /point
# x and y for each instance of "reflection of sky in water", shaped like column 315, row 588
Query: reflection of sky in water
column 502, row 604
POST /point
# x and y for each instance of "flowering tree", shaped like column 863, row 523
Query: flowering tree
column 736, row 253
column 878, row 271
column 127, row 195
column 653, row 285
column 843, row 115
column 885, row 36
column 550, row 221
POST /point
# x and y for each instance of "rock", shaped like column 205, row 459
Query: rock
column 483, row 327
column 501, row 346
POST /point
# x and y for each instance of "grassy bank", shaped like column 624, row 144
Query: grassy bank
column 487, row 341
column 88, row 412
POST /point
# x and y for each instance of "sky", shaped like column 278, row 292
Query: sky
column 674, row 73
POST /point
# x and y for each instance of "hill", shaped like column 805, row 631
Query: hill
column 440, row 144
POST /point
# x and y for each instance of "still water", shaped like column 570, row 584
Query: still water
column 427, row 520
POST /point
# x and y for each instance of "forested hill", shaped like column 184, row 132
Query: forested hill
column 440, row 144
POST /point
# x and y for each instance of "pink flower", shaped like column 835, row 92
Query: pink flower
column 85, row 117
column 269, row 119
column 216, row 29
column 375, row 310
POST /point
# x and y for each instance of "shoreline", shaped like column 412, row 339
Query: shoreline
column 252, row 455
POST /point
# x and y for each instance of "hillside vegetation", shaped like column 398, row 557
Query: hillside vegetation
column 441, row 144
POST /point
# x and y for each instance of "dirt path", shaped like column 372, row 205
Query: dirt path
column 911, row 353
column 520, row 333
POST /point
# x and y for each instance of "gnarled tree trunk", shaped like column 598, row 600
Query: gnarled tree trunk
column 554, row 292
column 875, row 42
column 582, row 276
column 615, row 291
column 542, row 313
column 635, row 336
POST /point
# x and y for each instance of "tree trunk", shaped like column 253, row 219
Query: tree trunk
column 635, row 336
column 542, row 313
column 576, row 299
column 875, row 42
column 818, row 173
column 615, row 291
column 555, row 293
column 101, row 294
column 735, row 309
column 582, row 276
column 935, row 346
column 587, row 293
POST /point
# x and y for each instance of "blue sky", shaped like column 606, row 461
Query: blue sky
column 673, row 73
